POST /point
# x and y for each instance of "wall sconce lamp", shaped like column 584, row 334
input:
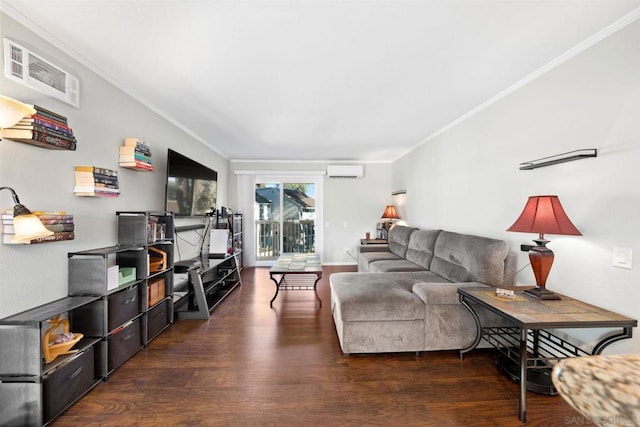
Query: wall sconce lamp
column 12, row 111
column 543, row 215
column 27, row 226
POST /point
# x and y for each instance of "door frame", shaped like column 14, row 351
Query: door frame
column 294, row 179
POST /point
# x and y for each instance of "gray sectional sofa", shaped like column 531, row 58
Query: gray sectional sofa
column 404, row 295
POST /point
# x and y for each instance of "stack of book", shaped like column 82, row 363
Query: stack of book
column 45, row 129
column 60, row 223
column 96, row 182
column 135, row 154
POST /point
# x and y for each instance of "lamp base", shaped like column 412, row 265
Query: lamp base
column 541, row 293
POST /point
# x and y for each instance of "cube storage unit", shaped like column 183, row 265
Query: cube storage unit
column 32, row 391
column 116, row 309
column 154, row 232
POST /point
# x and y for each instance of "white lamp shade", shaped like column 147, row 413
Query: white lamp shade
column 27, row 228
column 12, row 111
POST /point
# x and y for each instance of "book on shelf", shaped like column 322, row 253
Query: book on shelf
column 140, row 149
column 131, row 141
column 23, row 127
column 127, row 158
column 46, row 222
column 96, row 193
column 137, row 165
column 37, row 119
column 95, row 181
column 90, row 188
column 51, row 217
column 56, row 228
column 50, row 114
column 55, row 237
column 135, row 154
column 39, row 138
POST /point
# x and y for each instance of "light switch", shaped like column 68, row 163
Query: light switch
column 622, row 257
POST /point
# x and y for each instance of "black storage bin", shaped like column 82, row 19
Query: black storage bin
column 123, row 306
column 158, row 318
column 123, row 344
column 68, row 383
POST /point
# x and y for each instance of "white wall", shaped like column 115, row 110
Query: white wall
column 351, row 206
column 468, row 180
column 33, row 275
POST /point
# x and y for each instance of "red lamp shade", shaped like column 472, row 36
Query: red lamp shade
column 543, row 215
column 390, row 213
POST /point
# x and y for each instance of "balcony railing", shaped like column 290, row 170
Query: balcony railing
column 298, row 237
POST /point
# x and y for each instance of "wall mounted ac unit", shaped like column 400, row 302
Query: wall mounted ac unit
column 345, row 171
column 30, row 69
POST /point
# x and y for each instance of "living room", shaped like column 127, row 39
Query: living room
column 464, row 178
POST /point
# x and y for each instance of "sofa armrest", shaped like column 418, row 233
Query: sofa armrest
column 374, row 248
column 441, row 293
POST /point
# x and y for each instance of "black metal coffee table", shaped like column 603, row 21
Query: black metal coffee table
column 296, row 272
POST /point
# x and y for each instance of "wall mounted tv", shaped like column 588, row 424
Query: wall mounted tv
column 192, row 188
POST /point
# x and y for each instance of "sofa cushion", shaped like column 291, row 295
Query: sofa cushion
column 367, row 258
column 468, row 258
column 386, row 266
column 399, row 239
column 376, row 297
column 421, row 246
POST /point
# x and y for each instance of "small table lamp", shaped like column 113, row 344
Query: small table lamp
column 389, row 214
column 543, row 215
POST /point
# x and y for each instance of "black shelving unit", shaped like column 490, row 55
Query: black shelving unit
column 207, row 284
column 32, row 391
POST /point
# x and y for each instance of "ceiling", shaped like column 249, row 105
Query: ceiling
column 333, row 80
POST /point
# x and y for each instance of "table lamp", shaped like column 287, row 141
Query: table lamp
column 27, row 226
column 543, row 215
column 389, row 214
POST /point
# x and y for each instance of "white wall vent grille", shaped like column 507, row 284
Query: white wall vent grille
column 345, row 171
column 30, row 69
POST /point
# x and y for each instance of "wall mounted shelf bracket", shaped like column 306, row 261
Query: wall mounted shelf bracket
column 559, row 158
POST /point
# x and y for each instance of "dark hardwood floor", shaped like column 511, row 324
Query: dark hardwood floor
column 250, row 365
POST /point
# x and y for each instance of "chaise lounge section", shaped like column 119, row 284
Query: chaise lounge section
column 404, row 297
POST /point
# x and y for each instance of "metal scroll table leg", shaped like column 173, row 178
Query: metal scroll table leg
column 315, row 291
column 475, row 343
column 626, row 333
column 522, row 403
column 277, row 282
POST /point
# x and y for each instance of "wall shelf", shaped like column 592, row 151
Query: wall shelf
column 559, row 158
column 183, row 228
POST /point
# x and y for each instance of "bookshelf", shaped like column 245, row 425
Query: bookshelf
column 45, row 129
column 135, row 154
column 94, row 181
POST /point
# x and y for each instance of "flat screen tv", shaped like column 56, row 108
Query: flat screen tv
column 192, row 188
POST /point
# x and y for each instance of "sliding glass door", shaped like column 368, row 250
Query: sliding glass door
column 285, row 215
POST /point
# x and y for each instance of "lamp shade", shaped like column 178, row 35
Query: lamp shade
column 12, row 111
column 544, row 215
column 27, row 226
column 390, row 212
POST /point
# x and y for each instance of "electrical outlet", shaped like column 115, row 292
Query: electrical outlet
column 346, row 250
